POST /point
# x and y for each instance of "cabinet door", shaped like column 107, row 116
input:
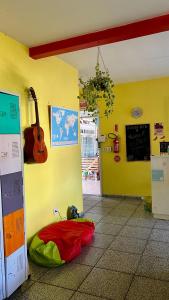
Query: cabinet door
column 160, row 185
column 2, row 268
column 15, row 266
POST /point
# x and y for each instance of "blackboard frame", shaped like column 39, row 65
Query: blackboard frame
column 137, row 149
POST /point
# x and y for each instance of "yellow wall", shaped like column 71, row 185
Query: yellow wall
column 133, row 178
column 56, row 183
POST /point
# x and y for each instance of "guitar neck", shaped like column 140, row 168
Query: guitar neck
column 32, row 92
column 37, row 114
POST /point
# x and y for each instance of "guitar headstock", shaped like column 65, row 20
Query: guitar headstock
column 32, row 92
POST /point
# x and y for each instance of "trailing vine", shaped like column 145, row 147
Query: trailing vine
column 95, row 89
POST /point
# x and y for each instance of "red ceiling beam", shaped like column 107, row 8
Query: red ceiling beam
column 103, row 37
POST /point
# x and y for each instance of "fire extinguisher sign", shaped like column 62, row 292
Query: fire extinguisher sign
column 117, row 158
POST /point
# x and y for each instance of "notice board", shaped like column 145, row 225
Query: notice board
column 138, row 142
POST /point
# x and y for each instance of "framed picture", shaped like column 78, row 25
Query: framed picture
column 64, row 126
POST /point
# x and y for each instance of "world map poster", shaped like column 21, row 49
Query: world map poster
column 64, row 126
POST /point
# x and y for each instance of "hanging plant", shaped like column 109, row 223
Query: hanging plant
column 96, row 89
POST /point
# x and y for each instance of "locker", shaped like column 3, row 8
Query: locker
column 13, row 251
column 9, row 114
column 14, row 235
column 1, row 285
column 10, row 153
column 2, row 270
column 15, row 270
column 11, row 192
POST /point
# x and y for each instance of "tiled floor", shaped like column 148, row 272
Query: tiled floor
column 128, row 259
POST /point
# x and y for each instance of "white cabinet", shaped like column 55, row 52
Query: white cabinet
column 160, row 186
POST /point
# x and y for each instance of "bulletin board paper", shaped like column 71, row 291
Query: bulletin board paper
column 9, row 114
column 157, row 175
column 10, row 153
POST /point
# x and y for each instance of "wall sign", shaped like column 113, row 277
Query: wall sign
column 164, row 147
column 158, row 131
column 9, row 114
column 64, row 126
column 117, row 158
column 138, row 142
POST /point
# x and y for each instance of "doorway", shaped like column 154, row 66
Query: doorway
column 90, row 156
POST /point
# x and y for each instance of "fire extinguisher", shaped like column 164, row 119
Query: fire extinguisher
column 116, row 145
column 116, row 141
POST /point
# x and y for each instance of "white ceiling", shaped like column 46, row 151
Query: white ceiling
column 133, row 60
column 35, row 22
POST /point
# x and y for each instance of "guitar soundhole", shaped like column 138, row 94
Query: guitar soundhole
column 41, row 151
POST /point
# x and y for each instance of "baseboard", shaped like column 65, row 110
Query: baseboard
column 161, row 216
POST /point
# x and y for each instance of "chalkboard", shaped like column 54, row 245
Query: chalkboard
column 138, row 142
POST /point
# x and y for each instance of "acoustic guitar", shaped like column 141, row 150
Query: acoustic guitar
column 35, row 150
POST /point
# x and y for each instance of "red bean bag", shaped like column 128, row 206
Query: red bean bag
column 69, row 236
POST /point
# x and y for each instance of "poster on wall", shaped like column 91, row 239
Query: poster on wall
column 64, row 126
column 158, row 131
column 9, row 114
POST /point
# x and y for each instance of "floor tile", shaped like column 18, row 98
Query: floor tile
column 106, row 283
column 86, row 208
column 68, row 276
column 154, row 267
column 94, row 217
column 82, row 296
column 108, row 228
column 114, row 220
column 162, row 224
column 148, row 289
column 41, row 291
column 159, row 249
column 102, row 240
column 26, row 285
column 159, row 235
column 140, row 213
column 100, row 210
column 136, row 232
column 135, row 202
column 18, row 294
column 118, row 261
column 89, row 256
column 130, row 245
column 36, row 271
column 89, row 202
column 141, row 222
column 108, row 203
column 125, row 206
column 121, row 213
column 93, row 199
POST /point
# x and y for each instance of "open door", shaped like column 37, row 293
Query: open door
column 90, row 156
